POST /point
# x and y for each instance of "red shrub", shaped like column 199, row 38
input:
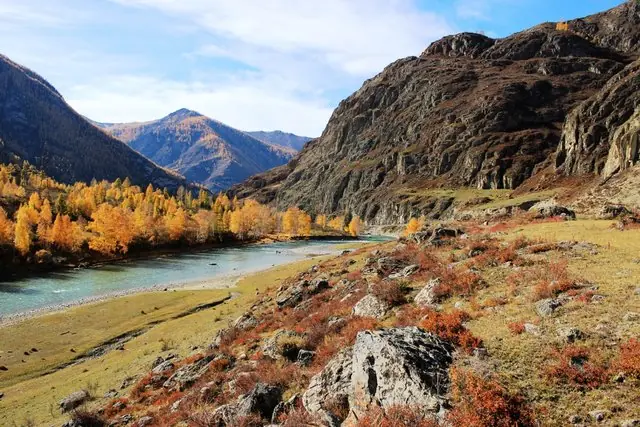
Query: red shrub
column 576, row 366
column 480, row 402
column 449, row 326
column 333, row 343
column 354, row 276
column 628, row 360
column 393, row 292
column 516, row 328
column 397, row 416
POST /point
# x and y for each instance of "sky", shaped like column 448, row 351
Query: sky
column 253, row 64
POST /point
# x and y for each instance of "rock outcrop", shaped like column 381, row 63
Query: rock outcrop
column 469, row 111
column 403, row 366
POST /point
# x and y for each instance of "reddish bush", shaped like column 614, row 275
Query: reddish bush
column 298, row 417
column 333, row 343
column 141, row 386
column 397, row 416
column 354, row 276
column 113, row 407
column 516, row 328
column 578, row 367
column 87, row 419
column 450, row 327
column 393, row 292
column 628, row 360
column 480, row 402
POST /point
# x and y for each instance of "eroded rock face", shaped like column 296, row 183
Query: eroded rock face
column 469, row 111
column 402, row 366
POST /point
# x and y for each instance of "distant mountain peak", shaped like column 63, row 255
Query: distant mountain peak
column 184, row 113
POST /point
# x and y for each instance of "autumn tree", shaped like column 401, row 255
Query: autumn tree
column 65, row 234
column 113, row 228
column 321, row 221
column 290, row 221
column 413, row 226
column 44, row 222
column 304, row 224
column 6, row 228
column 337, row 223
column 23, row 236
column 355, row 226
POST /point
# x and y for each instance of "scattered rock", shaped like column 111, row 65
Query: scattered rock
column 188, row 374
column 547, row 307
column 575, row 419
column 74, row 400
column 426, row 297
column 549, row 208
column 145, row 421
column 370, row 306
column 598, row 416
column 631, row 317
column 571, row 335
column 1, row 395
column 176, row 405
column 246, row 321
column 111, row 394
column 163, row 367
column 630, row 423
column 158, row 360
column 127, row 382
column 305, row 357
column 262, row 400
column 283, row 408
column 389, row 264
column 532, row 329
column 613, row 211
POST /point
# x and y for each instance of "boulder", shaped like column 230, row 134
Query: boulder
column 547, row 307
column 184, row 377
column 331, row 385
column 613, row 211
column 532, row 329
column 163, row 367
column 284, row 408
column 302, row 290
column 630, row 423
column 427, row 297
column 401, row 366
column 549, row 209
column 370, row 306
column 571, row 335
column 246, row 321
column 262, row 400
column 74, row 400
column 305, row 357
column 145, row 421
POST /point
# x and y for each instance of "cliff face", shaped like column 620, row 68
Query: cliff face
column 202, row 149
column 469, row 111
column 37, row 125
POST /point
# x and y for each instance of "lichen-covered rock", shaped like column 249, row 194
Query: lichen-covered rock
column 283, row 344
column 246, row 321
column 427, row 296
column 547, row 307
column 188, row 374
column 370, row 306
column 549, row 209
column 302, row 290
column 402, row 366
column 74, row 400
column 332, row 385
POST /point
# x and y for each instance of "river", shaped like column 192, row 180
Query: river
column 66, row 286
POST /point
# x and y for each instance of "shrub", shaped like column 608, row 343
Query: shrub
column 480, row 402
column 516, row 328
column 87, row 419
column 577, row 367
column 298, row 417
column 450, row 327
column 397, row 416
column 628, row 360
column 393, row 292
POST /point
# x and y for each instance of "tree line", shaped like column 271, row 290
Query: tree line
column 110, row 217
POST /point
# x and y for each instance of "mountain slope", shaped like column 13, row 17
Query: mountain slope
column 37, row 125
column 281, row 139
column 202, row 149
column 470, row 111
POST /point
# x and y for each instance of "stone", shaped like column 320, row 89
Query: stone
column 163, row 367
column 388, row 264
column 400, row 366
column 549, row 208
column 575, row 419
column 283, row 408
column 631, row 317
column 305, row 357
column 630, row 423
column 426, row 297
column 111, row 394
column 185, row 376
column 571, row 335
column 613, row 211
column 246, row 321
column 74, row 400
column 598, row 416
column 144, row 421
column 158, row 360
column 261, row 400
column 547, row 307
column 283, row 344
column 532, row 329
column 1, row 395
column 332, row 385
column 176, row 405
column 370, row 306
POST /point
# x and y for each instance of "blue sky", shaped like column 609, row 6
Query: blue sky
column 253, row 64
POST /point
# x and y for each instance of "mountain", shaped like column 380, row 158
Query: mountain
column 281, row 139
column 37, row 125
column 472, row 111
column 202, row 149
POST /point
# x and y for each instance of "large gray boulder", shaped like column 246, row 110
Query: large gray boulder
column 427, row 295
column 370, row 306
column 262, row 400
column 401, row 366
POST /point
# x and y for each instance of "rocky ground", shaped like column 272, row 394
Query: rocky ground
column 475, row 325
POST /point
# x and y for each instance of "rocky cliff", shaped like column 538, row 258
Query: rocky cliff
column 37, row 125
column 202, row 149
column 469, row 111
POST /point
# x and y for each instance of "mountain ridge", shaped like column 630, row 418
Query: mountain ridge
column 205, row 150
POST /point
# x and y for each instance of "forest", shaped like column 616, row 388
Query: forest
column 40, row 217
